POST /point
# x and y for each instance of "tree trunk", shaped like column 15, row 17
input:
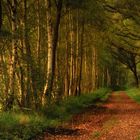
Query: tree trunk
column 96, row 76
column 38, row 33
column 0, row 14
column 67, row 60
column 52, row 46
column 31, row 71
column 135, row 75
column 77, row 58
column 81, row 61
column 13, row 60
column 71, row 24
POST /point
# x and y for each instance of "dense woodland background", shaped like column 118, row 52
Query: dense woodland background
column 52, row 49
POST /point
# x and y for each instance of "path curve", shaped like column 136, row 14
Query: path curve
column 118, row 119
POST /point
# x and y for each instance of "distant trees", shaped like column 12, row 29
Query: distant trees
column 128, row 58
column 125, row 38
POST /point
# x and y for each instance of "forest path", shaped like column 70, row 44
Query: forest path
column 118, row 119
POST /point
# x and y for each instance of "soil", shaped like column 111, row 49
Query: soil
column 118, row 119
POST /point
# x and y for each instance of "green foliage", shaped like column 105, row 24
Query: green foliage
column 134, row 93
column 16, row 126
column 24, row 126
column 73, row 105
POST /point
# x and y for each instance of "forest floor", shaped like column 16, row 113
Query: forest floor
column 117, row 119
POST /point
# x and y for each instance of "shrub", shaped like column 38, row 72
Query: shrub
column 134, row 93
column 24, row 126
column 73, row 105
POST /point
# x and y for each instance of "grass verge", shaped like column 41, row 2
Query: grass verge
column 134, row 93
column 25, row 126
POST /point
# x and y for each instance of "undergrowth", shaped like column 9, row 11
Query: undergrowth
column 73, row 105
column 25, row 126
column 21, row 126
column 134, row 93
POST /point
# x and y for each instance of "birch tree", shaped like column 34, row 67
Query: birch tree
column 52, row 34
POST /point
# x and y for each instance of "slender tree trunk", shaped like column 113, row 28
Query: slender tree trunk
column 77, row 56
column 31, row 71
column 96, row 68
column 38, row 38
column 67, row 73
column 81, row 61
column 39, row 78
column 48, row 85
column 72, row 66
column 105, row 77
column 52, row 46
column 85, row 69
column 136, row 75
column 5, row 76
column 28, row 51
column 0, row 14
column 133, row 68
column 22, row 85
column 13, row 61
column 67, row 60
column 38, row 32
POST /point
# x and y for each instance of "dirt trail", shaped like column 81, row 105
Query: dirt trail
column 118, row 119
